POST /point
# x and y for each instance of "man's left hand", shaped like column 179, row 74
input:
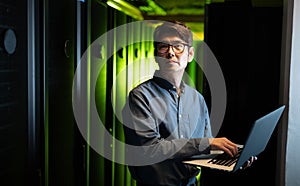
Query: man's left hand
column 249, row 162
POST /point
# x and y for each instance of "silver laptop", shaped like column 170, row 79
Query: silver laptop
column 256, row 143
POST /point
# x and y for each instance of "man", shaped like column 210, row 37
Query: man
column 168, row 115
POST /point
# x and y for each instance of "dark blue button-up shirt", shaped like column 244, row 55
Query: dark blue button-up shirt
column 178, row 127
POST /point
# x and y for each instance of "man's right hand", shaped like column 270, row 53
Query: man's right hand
column 223, row 144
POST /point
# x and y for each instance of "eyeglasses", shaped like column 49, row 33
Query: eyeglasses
column 178, row 48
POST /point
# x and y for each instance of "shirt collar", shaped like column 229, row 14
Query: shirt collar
column 166, row 84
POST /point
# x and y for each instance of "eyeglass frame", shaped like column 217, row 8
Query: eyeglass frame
column 172, row 45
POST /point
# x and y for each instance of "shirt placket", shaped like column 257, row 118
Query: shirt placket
column 177, row 103
column 179, row 114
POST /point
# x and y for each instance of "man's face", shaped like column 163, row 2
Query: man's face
column 173, row 54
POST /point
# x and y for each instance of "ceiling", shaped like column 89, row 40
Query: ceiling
column 189, row 11
column 169, row 7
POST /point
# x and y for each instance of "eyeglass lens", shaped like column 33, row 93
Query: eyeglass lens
column 177, row 47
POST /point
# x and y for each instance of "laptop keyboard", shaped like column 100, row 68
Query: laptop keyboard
column 225, row 159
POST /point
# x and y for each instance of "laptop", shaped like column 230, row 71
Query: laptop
column 256, row 143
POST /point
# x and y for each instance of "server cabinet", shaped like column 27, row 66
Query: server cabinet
column 14, row 159
column 57, row 66
column 99, row 168
column 246, row 41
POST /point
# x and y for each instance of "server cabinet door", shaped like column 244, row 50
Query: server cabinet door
column 13, row 93
column 247, row 42
column 58, row 64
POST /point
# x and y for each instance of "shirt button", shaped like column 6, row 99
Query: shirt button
column 181, row 136
column 179, row 115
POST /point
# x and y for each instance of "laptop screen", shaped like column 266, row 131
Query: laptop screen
column 259, row 135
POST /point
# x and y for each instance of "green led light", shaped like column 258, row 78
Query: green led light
column 125, row 7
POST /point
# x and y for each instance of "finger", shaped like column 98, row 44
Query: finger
column 250, row 163
column 253, row 158
column 233, row 149
column 245, row 165
column 228, row 151
column 232, row 146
